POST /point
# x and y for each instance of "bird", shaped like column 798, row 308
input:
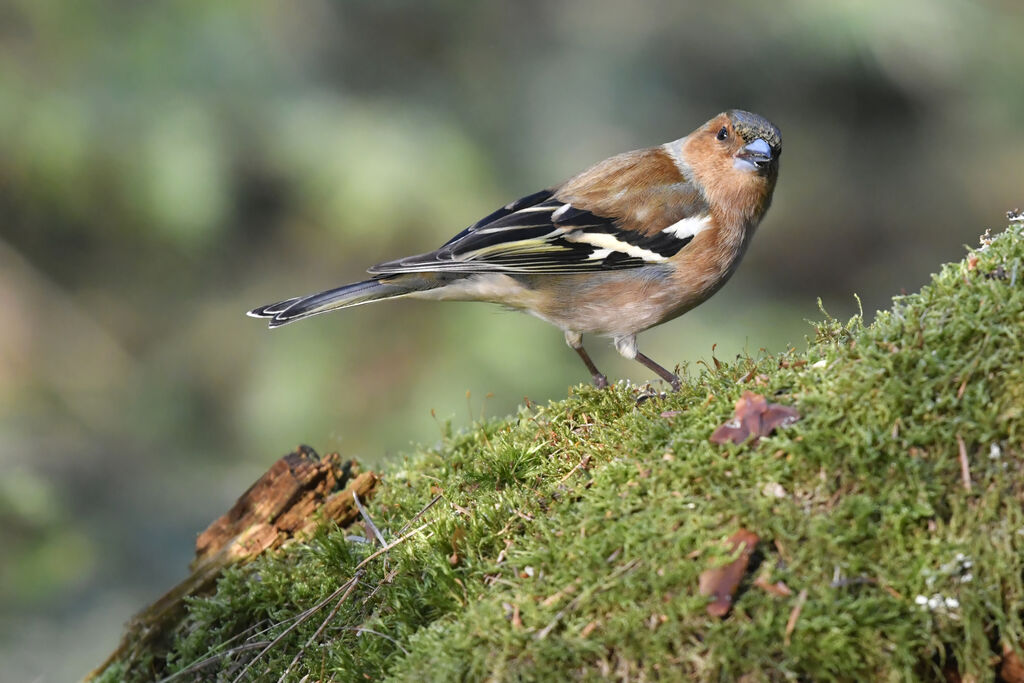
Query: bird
column 631, row 242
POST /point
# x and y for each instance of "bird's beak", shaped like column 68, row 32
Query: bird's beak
column 757, row 154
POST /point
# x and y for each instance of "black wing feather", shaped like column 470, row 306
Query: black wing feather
column 540, row 234
column 522, row 203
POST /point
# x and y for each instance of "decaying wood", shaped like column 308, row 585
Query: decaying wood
column 297, row 494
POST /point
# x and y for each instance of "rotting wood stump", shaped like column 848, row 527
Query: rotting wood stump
column 289, row 502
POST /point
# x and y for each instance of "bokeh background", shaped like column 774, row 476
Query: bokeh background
column 166, row 166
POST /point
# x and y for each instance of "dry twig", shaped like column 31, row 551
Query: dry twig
column 366, row 518
column 302, row 650
column 795, row 615
column 965, row 468
column 344, row 588
column 604, row 585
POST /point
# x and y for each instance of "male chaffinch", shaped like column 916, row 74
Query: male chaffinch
column 627, row 244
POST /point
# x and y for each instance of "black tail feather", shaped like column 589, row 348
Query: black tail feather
column 298, row 308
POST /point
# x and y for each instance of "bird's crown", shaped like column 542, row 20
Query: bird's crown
column 751, row 127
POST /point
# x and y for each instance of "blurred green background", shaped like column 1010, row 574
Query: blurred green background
column 166, row 166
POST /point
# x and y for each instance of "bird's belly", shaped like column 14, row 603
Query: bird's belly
column 608, row 319
column 622, row 303
column 613, row 303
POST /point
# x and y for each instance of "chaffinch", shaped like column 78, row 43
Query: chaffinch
column 629, row 243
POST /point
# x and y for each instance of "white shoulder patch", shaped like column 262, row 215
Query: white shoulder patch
column 605, row 243
column 688, row 227
column 560, row 211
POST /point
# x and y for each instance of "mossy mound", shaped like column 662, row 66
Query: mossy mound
column 568, row 541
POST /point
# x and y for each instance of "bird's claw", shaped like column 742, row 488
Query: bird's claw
column 647, row 396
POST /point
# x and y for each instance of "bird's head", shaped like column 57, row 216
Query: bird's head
column 758, row 142
column 734, row 157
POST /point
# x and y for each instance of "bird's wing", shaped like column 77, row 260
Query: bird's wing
column 541, row 233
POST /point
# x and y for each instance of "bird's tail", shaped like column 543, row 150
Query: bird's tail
column 300, row 307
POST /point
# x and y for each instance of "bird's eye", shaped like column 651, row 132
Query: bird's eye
column 722, row 134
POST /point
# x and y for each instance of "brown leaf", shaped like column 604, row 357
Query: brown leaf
column 754, row 416
column 456, row 539
column 1012, row 668
column 778, row 589
column 721, row 582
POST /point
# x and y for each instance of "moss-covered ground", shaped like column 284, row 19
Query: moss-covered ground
column 567, row 541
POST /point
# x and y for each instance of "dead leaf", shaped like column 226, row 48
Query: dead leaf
column 778, row 589
column 774, row 490
column 721, row 582
column 456, row 539
column 754, row 416
column 1012, row 668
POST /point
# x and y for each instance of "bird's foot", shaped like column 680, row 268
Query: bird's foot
column 600, row 381
column 644, row 398
column 661, row 372
column 647, row 394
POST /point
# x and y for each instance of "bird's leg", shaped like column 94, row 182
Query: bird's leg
column 575, row 342
column 626, row 346
column 600, row 381
column 669, row 377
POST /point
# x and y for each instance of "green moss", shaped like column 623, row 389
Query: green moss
column 569, row 539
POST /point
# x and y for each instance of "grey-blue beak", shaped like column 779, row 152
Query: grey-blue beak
column 758, row 153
